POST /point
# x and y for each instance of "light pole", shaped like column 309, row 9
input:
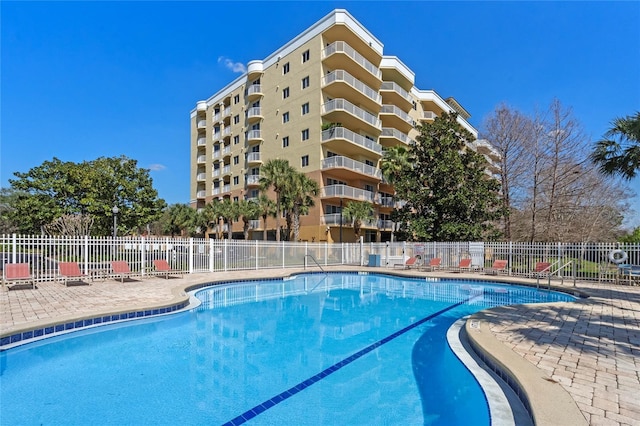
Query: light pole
column 115, row 210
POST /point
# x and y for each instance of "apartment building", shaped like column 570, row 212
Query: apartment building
column 329, row 101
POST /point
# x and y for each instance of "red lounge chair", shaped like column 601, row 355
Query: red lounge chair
column 499, row 265
column 410, row 263
column 433, row 264
column 162, row 267
column 542, row 269
column 17, row 273
column 121, row 269
column 70, row 271
column 463, row 265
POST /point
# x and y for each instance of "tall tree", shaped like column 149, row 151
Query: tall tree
column 358, row 212
column 448, row 195
column 298, row 197
column 179, row 219
column 56, row 188
column 276, row 173
column 248, row 210
column 230, row 212
column 394, row 163
column 510, row 132
column 619, row 152
column 267, row 208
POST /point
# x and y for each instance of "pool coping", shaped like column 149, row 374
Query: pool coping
column 546, row 400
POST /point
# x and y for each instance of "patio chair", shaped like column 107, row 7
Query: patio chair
column 498, row 266
column 463, row 265
column 70, row 271
column 541, row 269
column 162, row 267
column 628, row 274
column 121, row 269
column 412, row 262
column 17, row 273
column 433, row 265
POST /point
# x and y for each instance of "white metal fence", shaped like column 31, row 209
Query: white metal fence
column 193, row 255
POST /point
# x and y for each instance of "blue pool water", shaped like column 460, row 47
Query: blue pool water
column 336, row 349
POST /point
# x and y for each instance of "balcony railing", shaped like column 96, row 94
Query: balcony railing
column 217, row 135
column 216, row 191
column 343, row 133
column 254, row 134
column 254, row 112
column 395, row 87
column 226, row 131
column 226, row 170
column 216, row 154
column 215, row 173
column 253, row 179
column 395, row 133
column 253, row 157
column 345, row 105
column 227, row 111
column 254, row 89
column 343, row 47
column 202, row 141
column 201, row 176
column 202, row 158
column 348, row 163
column 202, row 124
column 348, row 192
column 226, row 188
column 429, row 115
column 341, row 75
column 392, row 109
column 227, row 150
column 217, row 116
column 254, row 224
column 201, row 194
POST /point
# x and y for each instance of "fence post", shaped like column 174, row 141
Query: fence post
column 14, row 249
column 257, row 252
column 225, row 252
column 282, row 242
column 210, row 254
column 191, row 255
column 143, row 254
column 361, row 251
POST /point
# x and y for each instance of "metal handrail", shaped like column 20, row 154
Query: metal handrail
column 547, row 270
column 314, row 259
column 573, row 273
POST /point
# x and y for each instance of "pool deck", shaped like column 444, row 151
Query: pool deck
column 588, row 350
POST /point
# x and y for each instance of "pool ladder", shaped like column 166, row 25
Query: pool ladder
column 314, row 260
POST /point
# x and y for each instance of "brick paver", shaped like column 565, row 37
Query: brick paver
column 591, row 346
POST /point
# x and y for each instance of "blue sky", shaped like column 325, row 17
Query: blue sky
column 80, row 80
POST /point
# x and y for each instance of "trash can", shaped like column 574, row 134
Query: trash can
column 374, row 260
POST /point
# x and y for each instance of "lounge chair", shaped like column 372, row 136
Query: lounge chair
column 541, row 269
column 628, row 273
column 162, row 267
column 412, row 262
column 463, row 265
column 70, row 271
column 121, row 269
column 433, row 264
column 17, row 273
column 498, row 266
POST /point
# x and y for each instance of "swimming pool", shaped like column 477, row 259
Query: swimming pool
column 312, row 349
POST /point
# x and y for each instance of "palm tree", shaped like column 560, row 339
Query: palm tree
column 248, row 210
column 276, row 173
column 267, row 207
column 178, row 218
column 229, row 211
column 298, row 197
column 619, row 152
column 358, row 212
column 393, row 164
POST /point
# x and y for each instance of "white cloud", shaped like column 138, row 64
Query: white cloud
column 156, row 167
column 233, row 66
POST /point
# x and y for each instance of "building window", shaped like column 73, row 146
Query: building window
column 285, row 93
column 236, row 119
column 236, row 99
column 305, row 56
column 236, row 139
column 285, row 68
column 285, row 117
column 305, row 108
column 305, row 134
column 285, row 141
column 236, row 180
column 305, row 82
column 236, row 159
column 305, row 160
column 235, row 199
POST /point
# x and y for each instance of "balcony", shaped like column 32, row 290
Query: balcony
column 255, row 224
column 253, row 92
column 254, row 69
column 201, row 194
column 340, row 83
column 428, row 116
column 392, row 116
column 227, row 112
column 392, row 93
column 202, row 159
column 347, row 168
column 217, row 135
column 215, row 191
column 226, row 170
column 253, row 157
column 345, row 191
column 216, row 154
column 385, row 224
column 254, row 114
column 351, row 116
column 217, row 117
column 253, row 180
column 336, row 137
column 201, row 176
column 254, row 136
column 391, row 137
column 226, row 188
column 202, row 141
column 202, row 124
column 226, row 152
column 485, row 148
column 215, row 173
column 333, row 219
column 339, row 55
